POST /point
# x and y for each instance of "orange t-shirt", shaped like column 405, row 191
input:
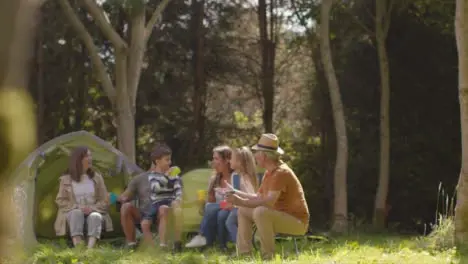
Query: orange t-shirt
column 291, row 199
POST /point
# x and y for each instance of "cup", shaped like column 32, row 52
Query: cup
column 201, row 194
column 174, row 171
column 113, row 198
column 223, row 204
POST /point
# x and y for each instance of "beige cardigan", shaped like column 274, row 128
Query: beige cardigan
column 66, row 202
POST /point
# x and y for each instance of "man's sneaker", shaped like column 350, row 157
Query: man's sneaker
column 197, row 241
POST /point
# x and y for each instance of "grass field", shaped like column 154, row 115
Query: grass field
column 362, row 249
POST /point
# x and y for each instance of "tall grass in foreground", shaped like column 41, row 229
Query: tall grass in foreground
column 442, row 235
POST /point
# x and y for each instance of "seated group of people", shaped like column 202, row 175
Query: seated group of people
column 234, row 203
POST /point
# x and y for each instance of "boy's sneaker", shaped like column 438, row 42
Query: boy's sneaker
column 163, row 247
column 131, row 246
column 197, row 241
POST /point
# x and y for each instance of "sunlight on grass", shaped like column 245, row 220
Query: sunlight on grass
column 351, row 250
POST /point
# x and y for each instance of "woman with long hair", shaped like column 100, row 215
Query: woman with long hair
column 82, row 197
column 212, row 208
column 243, row 163
column 241, row 170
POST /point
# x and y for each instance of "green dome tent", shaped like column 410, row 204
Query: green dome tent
column 193, row 181
column 36, row 181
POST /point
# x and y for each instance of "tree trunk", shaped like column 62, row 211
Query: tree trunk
column 267, row 51
column 199, row 81
column 461, row 209
column 124, row 113
column 17, row 119
column 81, row 89
column 340, row 221
column 326, row 128
column 125, row 129
column 41, row 107
column 382, row 21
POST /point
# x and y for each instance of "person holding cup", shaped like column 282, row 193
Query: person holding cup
column 82, row 198
column 157, row 193
column 242, row 177
column 279, row 206
column 211, row 205
column 243, row 163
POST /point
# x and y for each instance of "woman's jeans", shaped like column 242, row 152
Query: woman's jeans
column 217, row 223
column 231, row 225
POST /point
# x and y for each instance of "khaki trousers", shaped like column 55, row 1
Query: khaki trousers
column 269, row 222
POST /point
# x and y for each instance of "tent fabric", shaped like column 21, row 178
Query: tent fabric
column 194, row 180
column 37, row 178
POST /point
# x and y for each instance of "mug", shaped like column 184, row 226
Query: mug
column 201, row 194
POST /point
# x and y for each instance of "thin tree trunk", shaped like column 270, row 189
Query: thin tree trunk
column 199, row 80
column 382, row 22
column 461, row 209
column 80, row 88
column 40, row 89
column 267, row 51
column 340, row 221
column 326, row 126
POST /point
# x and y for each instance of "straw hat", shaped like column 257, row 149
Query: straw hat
column 268, row 142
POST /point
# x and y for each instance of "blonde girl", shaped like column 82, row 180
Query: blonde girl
column 243, row 163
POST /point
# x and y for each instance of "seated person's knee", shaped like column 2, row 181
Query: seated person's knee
column 175, row 204
column 126, row 208
column 146, row 225
column 95, row 216
column 163, row 211
column 176, row 207
column 76, row 213
column 260, row 212
column 211, row 207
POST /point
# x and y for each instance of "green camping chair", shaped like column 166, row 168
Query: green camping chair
column 37, row 182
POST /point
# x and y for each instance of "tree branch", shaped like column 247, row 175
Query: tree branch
column 92, row 49
column 154, row 18
column 101, row 20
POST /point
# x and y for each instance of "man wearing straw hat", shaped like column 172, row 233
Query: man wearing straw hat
column 279, row 206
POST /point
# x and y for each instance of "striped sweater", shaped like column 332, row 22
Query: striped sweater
column 163, row 187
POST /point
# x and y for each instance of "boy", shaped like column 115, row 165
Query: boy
column 157, row 194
